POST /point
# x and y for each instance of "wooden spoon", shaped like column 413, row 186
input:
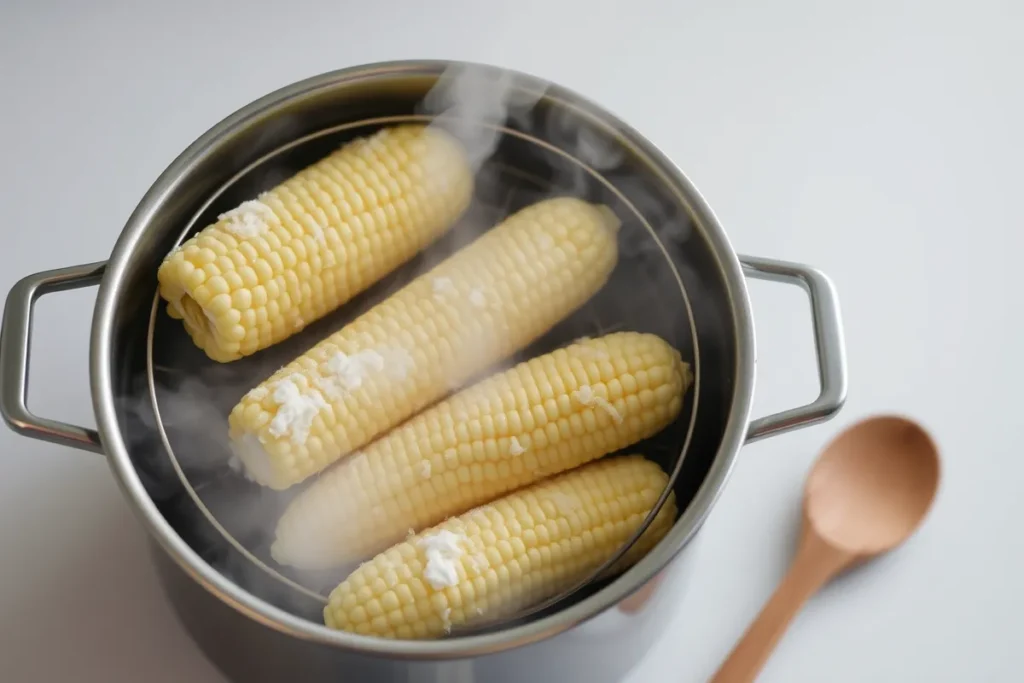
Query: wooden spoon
column 868, row 492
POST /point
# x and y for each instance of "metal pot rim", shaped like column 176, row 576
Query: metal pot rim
column 112, row 289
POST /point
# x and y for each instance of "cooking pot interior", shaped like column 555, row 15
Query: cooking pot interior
column 173, row 401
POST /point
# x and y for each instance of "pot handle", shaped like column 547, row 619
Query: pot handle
column 828, row 341
column 15, row 344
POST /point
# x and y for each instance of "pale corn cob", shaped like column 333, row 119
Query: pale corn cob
column 544, row 416
column 504, row 557
column 271, row 266
column 484, row 303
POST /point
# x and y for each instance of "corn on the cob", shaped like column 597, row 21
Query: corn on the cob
column 487, row 301
column 544, row 416
column 271, row 266
column 504, row 557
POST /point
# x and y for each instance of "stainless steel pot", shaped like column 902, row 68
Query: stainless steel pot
column 253, row 638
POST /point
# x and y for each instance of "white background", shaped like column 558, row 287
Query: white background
column 879, row 140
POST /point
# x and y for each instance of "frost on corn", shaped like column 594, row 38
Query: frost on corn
column 249, row 219
column 585, row 395
column 296, row 410
column 344, row 373
column 515, row 448
column 443, row 552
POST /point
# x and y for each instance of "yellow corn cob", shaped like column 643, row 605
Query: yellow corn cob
column 507, row 556
column 484, row 303
column 544, row 416
column 271, row 266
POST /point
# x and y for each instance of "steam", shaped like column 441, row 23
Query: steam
column 471, row 103
column 194, row 396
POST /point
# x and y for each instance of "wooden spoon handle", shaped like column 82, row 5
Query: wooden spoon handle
column 814, row 565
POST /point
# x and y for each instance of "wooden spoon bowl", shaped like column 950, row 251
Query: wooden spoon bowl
column 869, row 491
column 873, row 485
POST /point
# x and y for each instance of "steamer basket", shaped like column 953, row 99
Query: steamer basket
column 189, row 396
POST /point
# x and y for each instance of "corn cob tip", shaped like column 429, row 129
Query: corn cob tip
column 251, row 460
column 502, row 557
column 282, row 551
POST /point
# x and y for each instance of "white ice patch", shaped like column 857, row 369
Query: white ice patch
column 346, row 373
column 442, row 551
column 584, row 395
column 296, row 410
column 477, row 298
column 587, row 397
column 248, row 219
column 443, row 286
column 610, row 409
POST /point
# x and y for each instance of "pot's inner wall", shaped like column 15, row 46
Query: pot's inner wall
column 643, row 295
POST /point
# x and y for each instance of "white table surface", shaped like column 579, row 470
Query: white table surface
column 879, row 140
